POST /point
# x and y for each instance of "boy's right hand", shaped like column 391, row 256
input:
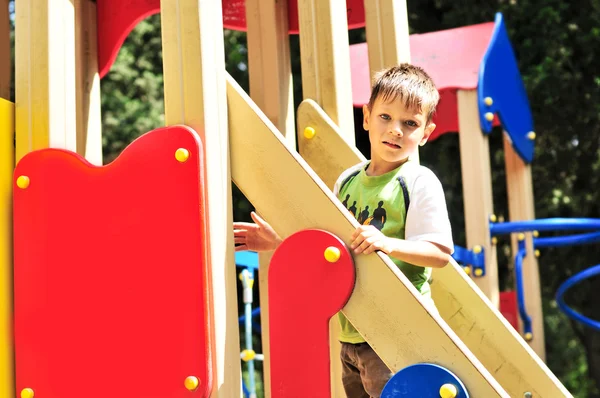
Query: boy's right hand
column 256, row 237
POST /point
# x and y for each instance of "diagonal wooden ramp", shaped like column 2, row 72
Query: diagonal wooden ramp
column 460, row 302
column 384, row 306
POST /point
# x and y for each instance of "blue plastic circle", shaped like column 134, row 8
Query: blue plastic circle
column 422, row 380
column 569, row 283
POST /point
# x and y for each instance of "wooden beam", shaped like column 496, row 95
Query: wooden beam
column 194, row 69
column 387, row 33
column 5, row 51
column 325, row 59
column 269, row 64
column 44, row 75
column 271, row 88
column 477, row 190
column 519, row 186
column 7, row 162
column 401, row 334
column 467, row 310
column 89, row 123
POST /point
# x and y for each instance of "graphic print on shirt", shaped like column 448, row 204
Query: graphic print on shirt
column 377, row 219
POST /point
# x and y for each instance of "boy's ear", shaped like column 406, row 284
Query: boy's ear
column 428, row 130
column 366, row 115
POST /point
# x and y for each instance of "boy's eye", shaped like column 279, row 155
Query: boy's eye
column 385, row 116
column 411, row 123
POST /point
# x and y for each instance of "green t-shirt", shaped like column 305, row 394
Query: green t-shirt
column 380, row 201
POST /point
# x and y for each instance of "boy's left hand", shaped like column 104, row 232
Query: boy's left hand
column 366, row 239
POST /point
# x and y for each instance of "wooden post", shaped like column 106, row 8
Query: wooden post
column 271, row 88
column 477, row 190
column 7, row 155
column 387, row 33
column 325, row 58
column 194, row 73
column 89, row 123
column 5, row 53
column 521, row 207
column 44, row 75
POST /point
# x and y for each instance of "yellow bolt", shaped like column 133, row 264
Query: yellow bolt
column 248, row 355
column 536, row 234
column 528, row 336
column 332, row 254
column 478, row 272
column 521, row 236
column 309, row 133
column 23, row 182
column 477, row 249
column 537, row 253
column 27, row 393
column 494, row 241
column 488, row 101
column 182, row 155
column 531, row 135
column 493, row 218
column 467, row 270
column 191, row 383
column 448, row 391
column 489, row 116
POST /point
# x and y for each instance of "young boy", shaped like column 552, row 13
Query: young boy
column 417, row 238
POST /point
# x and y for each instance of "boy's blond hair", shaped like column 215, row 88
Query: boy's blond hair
column 409, row 83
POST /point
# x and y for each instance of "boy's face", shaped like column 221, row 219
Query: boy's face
column 395, row 133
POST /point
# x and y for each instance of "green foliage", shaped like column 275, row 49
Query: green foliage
column 132, row 92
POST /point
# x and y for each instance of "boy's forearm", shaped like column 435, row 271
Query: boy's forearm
column 420, row 253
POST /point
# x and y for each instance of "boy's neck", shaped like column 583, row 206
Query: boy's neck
column 375, row 168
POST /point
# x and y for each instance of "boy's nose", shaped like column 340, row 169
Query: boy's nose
column 397, row 131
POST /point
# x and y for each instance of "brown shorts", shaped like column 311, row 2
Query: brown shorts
column 363, row 373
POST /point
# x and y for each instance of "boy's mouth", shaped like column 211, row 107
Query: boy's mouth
column 392, row 145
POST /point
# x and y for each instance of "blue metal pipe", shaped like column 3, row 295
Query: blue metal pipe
column 547, row 224
column 569, row 283
column 579, row 239
column 520, row 290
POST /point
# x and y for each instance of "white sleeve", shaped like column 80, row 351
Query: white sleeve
column 427, row 218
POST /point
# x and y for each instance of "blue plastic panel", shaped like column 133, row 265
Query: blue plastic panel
column 422, row 380
column 500, row 80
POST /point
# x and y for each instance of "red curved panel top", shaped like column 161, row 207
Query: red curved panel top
column 117, row 18
column 110, row 272
column 451, row 57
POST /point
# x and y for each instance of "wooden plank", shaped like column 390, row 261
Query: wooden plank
column 477, row 190
column 387, row 33
column 271, row 88
column 87, row 87
column 7, row 159
column 325, row 60
column 401, row 335
column 327, row 140
column 488, row 334
column 194, row 68
column 269, row 64
column 44, row 75
column 5, row 53
column 473, row 317
column 519, row 187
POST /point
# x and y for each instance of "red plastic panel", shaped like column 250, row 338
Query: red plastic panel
column 234, row 14
column 110, row 277
column 305, row 291
column 451, row 57
column 508, row 307
column 117, row 18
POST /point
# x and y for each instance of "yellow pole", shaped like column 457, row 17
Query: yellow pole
column 5, row 56
column 7, row 129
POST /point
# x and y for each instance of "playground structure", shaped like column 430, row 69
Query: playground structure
column 216, row 133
